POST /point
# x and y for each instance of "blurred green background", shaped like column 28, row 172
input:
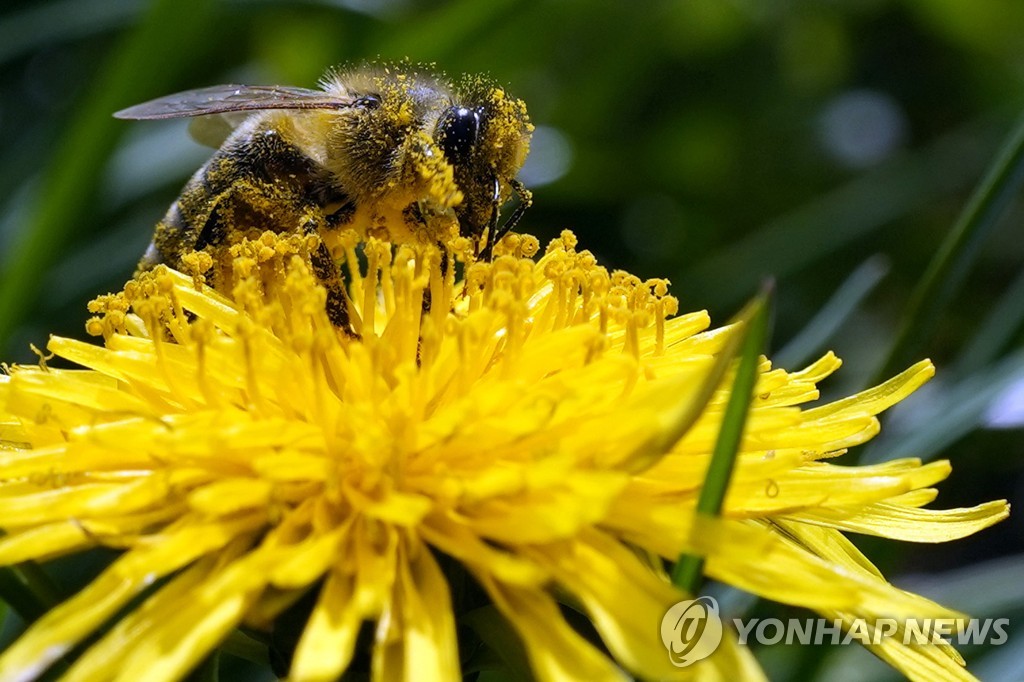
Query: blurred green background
column 828, row 143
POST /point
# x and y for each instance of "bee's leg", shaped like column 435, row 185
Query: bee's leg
column 525, row 197
column 413, row 214
column 324, row 267
column 492, row 224
column 246, row 202
column 446, row 260
column 495, row 233
column 326, row 271
column 214, row 230
column 342, row 216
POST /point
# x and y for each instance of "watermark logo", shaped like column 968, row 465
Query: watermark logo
column 910, row 631
column 691, row 630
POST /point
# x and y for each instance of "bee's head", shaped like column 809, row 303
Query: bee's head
column 485, row 137
column 411, row 138
column 458, row 133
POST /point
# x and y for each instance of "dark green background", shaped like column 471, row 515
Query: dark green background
column 696, row 144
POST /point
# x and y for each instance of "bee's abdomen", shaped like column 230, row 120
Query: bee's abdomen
column 177, row 232
column 255, row 180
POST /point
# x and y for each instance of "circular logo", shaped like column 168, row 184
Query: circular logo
column 691, row 630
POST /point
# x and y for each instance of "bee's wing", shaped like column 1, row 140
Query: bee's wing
column 212, row 130
column 222, row 99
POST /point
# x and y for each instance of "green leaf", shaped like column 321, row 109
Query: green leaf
column 995, row 332
column 955, row 256
column 816, row 334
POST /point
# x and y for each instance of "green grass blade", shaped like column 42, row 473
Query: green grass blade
column 985, row 589
column 20, row 596
column 208, row 670
column 499, row 636
column 995, row 332
column 443, row 29
column 816, row 334
column 167, row 40
column 687, row 572
column 1003, row 662
column 241, row 645
column 957, row 252
column 850, row 212
column 38, row 582
column 50, row 23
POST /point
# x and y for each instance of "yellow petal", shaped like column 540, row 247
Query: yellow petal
column 178, row 642
column 82, row 501
column 545, row 515
column 102, row 660
column 556, row 652
column 64, row 626
column 833, row 547
column 85, row 389
column 416, row 638
column 307, row 561
column 230, row 495
column 453, row 537
column 901, row 522
column 328, row 640
column 40, row 543
column 919, row 662
column 624, row 598
column 818, row 484
column 881, row 397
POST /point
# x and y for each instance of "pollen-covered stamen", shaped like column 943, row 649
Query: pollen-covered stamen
column 375, row 251
column 563, row 289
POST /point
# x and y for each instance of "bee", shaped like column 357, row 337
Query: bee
column 393, row 151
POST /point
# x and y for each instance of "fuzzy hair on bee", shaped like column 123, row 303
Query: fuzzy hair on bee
column 397, row 151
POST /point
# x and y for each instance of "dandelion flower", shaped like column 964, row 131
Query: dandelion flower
column 535, row 438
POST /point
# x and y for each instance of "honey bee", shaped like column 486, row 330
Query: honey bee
column 396, row 151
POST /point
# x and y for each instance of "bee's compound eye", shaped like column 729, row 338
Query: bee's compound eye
column 367, row 102
column 458, row 133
